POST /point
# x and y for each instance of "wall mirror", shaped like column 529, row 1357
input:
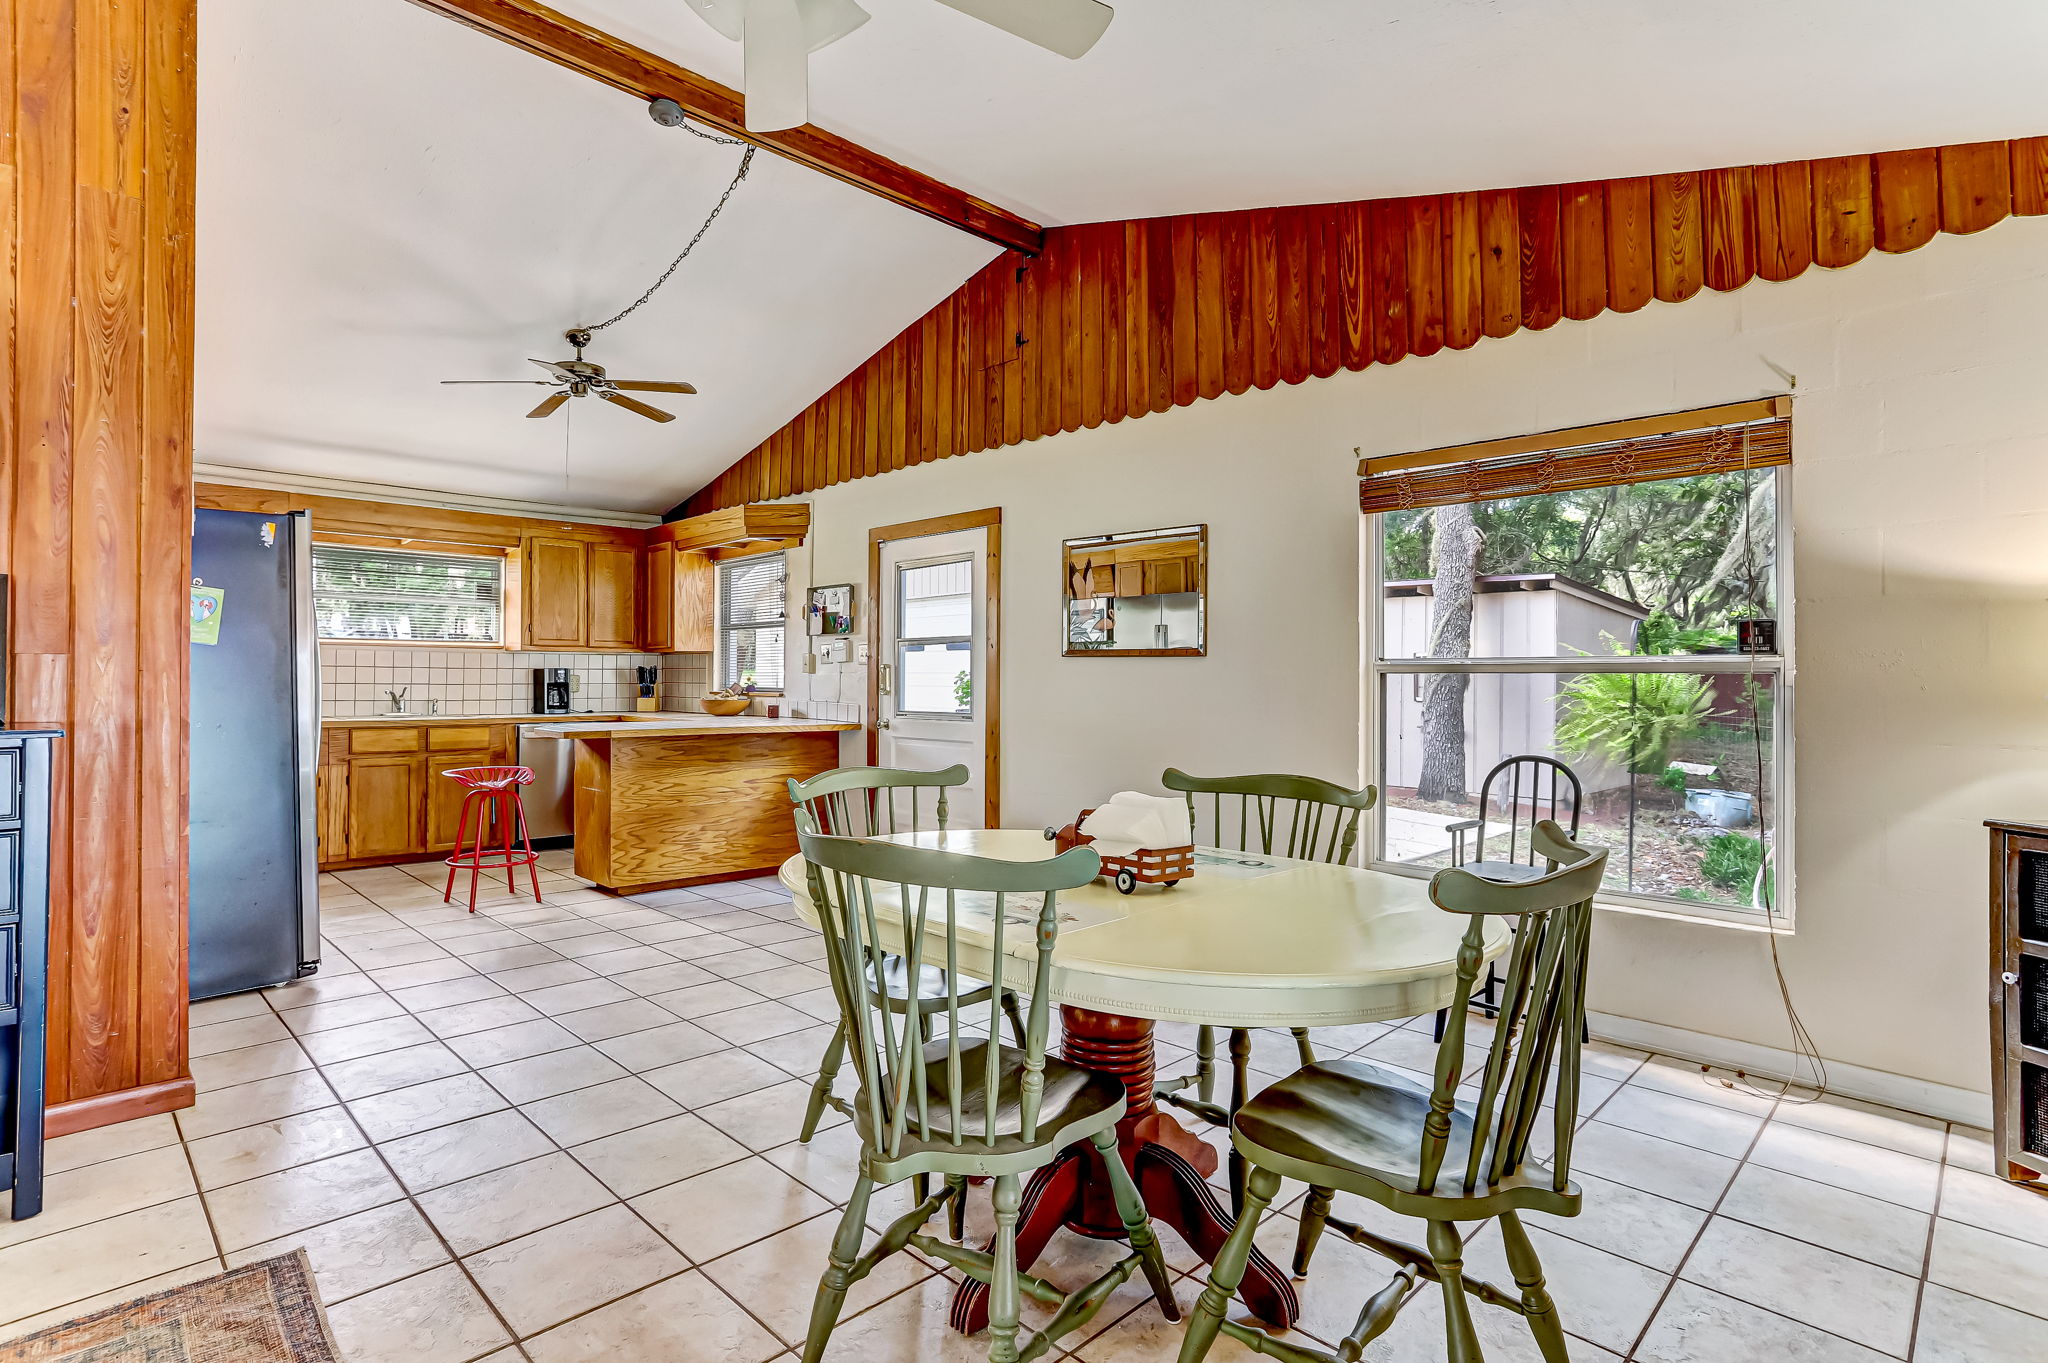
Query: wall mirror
column 1141, row 594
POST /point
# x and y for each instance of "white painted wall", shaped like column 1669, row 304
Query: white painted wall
column 1920, row 508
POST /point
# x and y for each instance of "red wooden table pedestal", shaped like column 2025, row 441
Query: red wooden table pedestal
column 1169, row 1164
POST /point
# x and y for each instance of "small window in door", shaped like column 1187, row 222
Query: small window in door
column 935, row 643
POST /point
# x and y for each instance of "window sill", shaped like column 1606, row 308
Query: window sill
column 1778, row 924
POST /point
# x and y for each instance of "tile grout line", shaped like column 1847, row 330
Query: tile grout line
column 1927, row 1254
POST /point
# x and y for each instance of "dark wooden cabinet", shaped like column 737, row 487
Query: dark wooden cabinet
column 2019, row 998
column 24, row 955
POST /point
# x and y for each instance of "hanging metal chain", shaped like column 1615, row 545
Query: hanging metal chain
column 746, row 162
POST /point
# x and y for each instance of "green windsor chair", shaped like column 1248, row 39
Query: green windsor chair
column 866, row 802
column 1302, row 817
column 1427, row 1152
column 962, row 1106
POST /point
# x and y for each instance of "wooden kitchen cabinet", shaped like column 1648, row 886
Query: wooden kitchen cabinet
column 444, row 798
column 681, row 591
column 614, row 613
column 581, row 594
column 557, row 581
column 385, row 809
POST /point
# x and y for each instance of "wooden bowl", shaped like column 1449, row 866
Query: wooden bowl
column 726, row 707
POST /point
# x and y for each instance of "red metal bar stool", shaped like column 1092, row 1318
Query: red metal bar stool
column 493, row 793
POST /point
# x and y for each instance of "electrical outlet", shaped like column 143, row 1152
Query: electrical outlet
column 810, row 662
column 861, row 653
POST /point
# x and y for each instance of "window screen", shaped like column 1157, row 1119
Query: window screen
column 752, row 601
column 408, row 596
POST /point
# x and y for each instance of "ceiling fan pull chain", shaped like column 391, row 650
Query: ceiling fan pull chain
column 746, row 162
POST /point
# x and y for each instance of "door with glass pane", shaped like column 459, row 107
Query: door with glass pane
column 932, row 686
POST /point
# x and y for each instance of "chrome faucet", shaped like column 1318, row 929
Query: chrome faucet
column 397, row 700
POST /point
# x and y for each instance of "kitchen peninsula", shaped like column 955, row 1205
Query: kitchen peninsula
column 689, row 798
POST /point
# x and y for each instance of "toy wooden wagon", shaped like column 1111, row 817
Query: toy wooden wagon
column 1167, row 866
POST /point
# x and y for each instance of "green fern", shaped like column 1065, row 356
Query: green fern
column 1631, row 719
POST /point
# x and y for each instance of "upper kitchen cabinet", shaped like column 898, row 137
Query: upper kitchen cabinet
column 676, row 598
column 581, row 594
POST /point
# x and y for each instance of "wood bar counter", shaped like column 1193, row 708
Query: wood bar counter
column 662, row 804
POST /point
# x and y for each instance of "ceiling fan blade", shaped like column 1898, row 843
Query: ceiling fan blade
column 1068, row 27
column 549, row 404
column 646, row 386
column 651, row 413
column 728, row 17
column 778, row 79
column 524, row 383
column 560, row 373
column 827, row 21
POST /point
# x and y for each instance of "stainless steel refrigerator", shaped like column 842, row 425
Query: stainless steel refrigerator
column 255, row 746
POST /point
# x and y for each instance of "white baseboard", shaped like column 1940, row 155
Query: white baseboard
column 1769, row 1062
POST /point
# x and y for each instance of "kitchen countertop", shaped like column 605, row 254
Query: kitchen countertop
column 690, row 726
column 519, row 717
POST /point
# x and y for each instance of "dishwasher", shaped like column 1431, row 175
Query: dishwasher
column 550, row 801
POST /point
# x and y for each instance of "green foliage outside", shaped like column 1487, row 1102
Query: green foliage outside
column 1732, row 860
column 963, row 690
column 1674, row 780
column 1630, row 719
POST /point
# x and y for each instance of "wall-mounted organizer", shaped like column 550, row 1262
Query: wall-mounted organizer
column 2019, row 998
column 24, row 958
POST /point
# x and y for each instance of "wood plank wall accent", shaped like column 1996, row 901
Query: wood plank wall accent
column 96, row 165
column 1118, row 319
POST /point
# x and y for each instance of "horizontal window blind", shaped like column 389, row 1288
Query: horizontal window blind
column 408, row 596
column 1752, row 435
column 753, row 599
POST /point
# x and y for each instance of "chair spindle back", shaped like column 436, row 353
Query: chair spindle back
column 1302, row 817
column 872, row 802
column 1520, row 792
column 1542, row 1010
column 876, row 899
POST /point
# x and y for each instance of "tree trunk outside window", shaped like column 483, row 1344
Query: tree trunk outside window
column 1457, row 543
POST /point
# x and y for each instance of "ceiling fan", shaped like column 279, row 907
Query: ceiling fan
column 580, row 378
column 778, row 37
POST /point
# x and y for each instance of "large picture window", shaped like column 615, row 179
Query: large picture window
column 408, row 596
column 753, row 605
column 1631, row 627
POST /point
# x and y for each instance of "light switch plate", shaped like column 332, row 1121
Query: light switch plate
column 861, row 653
column 833, row 650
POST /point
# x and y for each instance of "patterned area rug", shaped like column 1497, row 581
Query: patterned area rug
column 261, row 1313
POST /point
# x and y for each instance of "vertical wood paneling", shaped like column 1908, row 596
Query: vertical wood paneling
column 1500, row 261
column 1976, row 186
column 1844, row 217
column 1631, row 244
column 1541, row 209
column 1907, row 188
column 1583, row 231
column 1464, row 307
column 96, row 167
column 1730, row 230
column 1784, row 219
column 1119, row 319
column 1676, row 240
column 1425, row 248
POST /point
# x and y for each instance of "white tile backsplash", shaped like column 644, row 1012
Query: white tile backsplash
column 354, row 679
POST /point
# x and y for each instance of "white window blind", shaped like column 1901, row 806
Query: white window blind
column 753, row 599
column 408, row 596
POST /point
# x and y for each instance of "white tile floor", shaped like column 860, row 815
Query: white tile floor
column 564, row 1132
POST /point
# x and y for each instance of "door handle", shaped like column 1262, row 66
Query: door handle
column 881, row 724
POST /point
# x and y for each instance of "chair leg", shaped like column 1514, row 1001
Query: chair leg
column 1016, row 1017
column 461, row 837
column 839, row 1272
column 1301, row 1046
column 1447, row 1252
column 1537, row 1307
column 1240, row 1084
column 1003, row 1286
column 1137, row 1226
column 956, row 1211
column 526, row 845
column 1228, row 1269
column 828, row 1070
column 1205, row 1063
column 1315, row 1214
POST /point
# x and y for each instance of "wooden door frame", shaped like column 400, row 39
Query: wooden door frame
column 991, row 520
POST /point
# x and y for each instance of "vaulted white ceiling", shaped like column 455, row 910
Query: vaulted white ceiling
column 388, row 199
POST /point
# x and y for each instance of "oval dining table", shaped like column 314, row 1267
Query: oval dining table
column 1247, row 941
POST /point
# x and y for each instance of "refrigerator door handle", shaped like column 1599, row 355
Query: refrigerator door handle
column 306, row 670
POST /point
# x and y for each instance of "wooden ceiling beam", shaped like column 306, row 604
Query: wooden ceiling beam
column 534, row 28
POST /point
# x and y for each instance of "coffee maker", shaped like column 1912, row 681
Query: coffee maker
column 551, row 690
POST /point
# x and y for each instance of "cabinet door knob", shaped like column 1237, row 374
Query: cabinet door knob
column 2010, row 978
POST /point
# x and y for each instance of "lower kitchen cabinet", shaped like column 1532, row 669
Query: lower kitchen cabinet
column 384, row 806
column 381, row 793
